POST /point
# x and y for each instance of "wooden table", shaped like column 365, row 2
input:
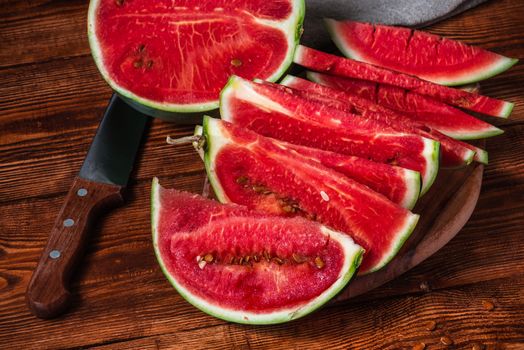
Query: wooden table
column 52, row 98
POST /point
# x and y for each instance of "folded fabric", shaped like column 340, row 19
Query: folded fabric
column 416, row 13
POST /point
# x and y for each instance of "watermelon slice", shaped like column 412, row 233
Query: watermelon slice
column 454, row 153
column 401, row 186
column 176, row 55
column 427, row 56
column 244, row 266
column 243, row 170
column 272, row 112
column 345, row 67
column 446, row 119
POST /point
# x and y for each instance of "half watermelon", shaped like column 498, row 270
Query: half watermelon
column 174, row 55
column 244, row 266
column 345, row 67
column 454, row 153
column 446, row 119
column 401, row 186
column 427, row 56
column 281, row 114
column 244, row 169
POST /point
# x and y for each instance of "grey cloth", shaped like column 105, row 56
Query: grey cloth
column 416, row 13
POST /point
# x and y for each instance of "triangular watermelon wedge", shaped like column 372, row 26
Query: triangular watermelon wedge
column 401, row 186
column 243, row 169
column 438, row 115
column 244, row 266
column 345, row 67
column 454, row 153
column 427, row 56
column 272, row 112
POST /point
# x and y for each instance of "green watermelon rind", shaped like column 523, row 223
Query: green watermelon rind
column 353, row 257
column 398, row 242
column 481, row 156
column 431, row 153
column 493, row 69
column 492, row 131
column 163, row 110
column 413, row 182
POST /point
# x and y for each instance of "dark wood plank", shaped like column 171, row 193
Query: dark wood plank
column 42, row 30
column 459, row 314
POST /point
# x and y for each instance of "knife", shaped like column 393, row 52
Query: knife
column 99, row 185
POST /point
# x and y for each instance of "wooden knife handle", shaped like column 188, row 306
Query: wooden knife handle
column 47, row 293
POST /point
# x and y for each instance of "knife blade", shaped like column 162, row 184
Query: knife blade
column 99, row 184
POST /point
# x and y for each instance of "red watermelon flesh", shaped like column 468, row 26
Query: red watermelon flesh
column 244, row 169
column 427, row 56
column 294, row 265
column 454, row 153
column 272, row 112
column 178, row 54
column 401, row 186
column 345, row 67
column 446, row 119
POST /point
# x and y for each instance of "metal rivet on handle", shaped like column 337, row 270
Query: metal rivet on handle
column 54, row 254
column 69, row 222
column 81, row 192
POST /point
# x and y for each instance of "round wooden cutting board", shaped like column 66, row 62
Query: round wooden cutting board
column 444, row 210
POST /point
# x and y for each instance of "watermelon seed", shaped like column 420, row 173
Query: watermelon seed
column 208, row 258
column 298, row 258
column 267, row 256
column 324, row 196
column 141, row 48
column 149, row 64
column 259, row 188
column 241, row 260
column 319, row 263
column 202, row 264
column 242, row 180
column 247, row 258
column 256, row 258
column 232, row 260
column 119, row 2
column 287, row 208
column 137, row 64
column 236, row 62
column 278, row 260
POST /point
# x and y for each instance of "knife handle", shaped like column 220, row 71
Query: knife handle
column 47, row 293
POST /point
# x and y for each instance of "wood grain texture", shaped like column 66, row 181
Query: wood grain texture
column 48, row 292
column 52, row 101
